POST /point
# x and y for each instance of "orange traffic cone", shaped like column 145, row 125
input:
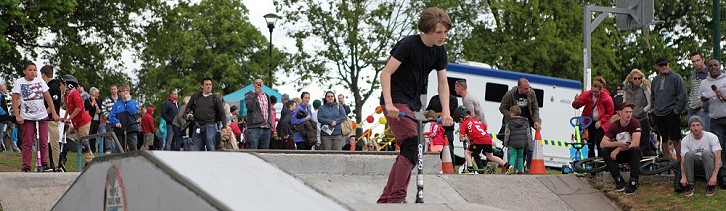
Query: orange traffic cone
column 537, row 166
column 447, row 166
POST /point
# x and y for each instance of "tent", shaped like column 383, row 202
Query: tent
column 238, row 97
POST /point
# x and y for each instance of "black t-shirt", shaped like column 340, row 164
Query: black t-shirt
column 417, row 61
column 55, row 94
column 523, row 102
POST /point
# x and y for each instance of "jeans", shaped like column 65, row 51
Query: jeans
column 176, row 143
column 258, row 138
column 100, row 142
column 718, row 127
column 703, row 115
column 594, row 140
column 110, row 145
column 207, row 132
column 166, row 143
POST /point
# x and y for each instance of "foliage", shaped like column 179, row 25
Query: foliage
column 80, row 37
column 351, row 35
column 190, row 41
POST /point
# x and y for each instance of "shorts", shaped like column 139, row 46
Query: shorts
column 148, row 139
column 478, row 148
column 669, row 126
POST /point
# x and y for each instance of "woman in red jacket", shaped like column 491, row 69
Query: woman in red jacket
column 598, row 106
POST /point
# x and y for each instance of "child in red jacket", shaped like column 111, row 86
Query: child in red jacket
column 147, row 127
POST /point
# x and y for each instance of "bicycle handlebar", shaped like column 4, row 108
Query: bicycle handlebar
column 581, row 121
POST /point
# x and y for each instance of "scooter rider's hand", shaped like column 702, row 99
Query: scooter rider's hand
column 118, row 125
column 391, row 111
column 19, row 119
column 447, row 120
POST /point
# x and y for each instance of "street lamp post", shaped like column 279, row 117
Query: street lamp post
column 271, row 19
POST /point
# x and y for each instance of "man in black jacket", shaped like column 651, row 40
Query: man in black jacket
column 206, row 110
column 168, row 112
column 54, row 89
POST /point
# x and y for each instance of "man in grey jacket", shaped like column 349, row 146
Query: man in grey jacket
column 259, row 117
column 713, row 91
column 669, row 103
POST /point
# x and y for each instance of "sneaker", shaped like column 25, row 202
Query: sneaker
column 470, row 170
column 689, row 190
column 510, row 171
column 619, row 185
column 631, row 187
column 26, row 169
column 505, row 167
column 711, row 190
column 46, row 168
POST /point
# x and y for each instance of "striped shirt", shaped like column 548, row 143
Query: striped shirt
column 107, row 105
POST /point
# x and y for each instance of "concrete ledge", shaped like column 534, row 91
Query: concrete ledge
column 33, row 191
column 341, row 163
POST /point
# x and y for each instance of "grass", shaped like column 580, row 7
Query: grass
column 660, row 196
column 13, row 162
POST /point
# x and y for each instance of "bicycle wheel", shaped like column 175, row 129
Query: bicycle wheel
column 590, row 165
column 659, row 165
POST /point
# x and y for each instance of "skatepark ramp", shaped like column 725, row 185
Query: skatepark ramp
column 162, row 180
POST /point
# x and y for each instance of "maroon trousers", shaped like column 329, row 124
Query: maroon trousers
column 28, row 133
column 406, row 133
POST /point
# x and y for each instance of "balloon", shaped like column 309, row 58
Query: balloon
column 369, row 119
column 355, row 125
column 382, row 120
column 367, row 134
column 379, row 110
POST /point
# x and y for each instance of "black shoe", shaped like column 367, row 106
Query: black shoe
column 689, row 190
column 678, row 188
column 619, row 184
column 26, row 169
column 45, row 168
column 632, row 186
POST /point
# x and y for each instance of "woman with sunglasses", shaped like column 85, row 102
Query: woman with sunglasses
column 637, row 91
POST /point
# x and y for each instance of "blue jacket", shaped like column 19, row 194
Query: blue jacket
column 168, row 110
column 331, row 112
column 125, row 113
column 295, row 121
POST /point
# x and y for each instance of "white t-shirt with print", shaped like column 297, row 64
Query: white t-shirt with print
column 709, row 142
column 32, row 105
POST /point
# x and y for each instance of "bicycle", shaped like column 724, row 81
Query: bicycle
column 479, row 160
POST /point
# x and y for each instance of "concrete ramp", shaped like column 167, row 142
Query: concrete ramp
column 162, row 180
column 33, row 191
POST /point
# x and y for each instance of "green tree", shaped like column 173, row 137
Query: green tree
column 349, row 36
column 80, row 37
column 190, row 41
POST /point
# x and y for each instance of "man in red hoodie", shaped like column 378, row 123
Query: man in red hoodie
column 147, row 127
column 77, row 114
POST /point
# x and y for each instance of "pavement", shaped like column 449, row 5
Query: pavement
column 33, row 191
column 352, row 180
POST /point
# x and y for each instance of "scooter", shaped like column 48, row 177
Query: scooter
column 579, row 148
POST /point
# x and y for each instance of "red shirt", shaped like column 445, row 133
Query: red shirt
column 73, row 101
column 475, row 130
column 235, row 129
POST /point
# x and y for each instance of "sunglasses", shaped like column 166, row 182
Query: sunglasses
column 637, row 78
column 662, row 65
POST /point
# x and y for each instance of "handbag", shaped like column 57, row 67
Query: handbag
column 346, row 126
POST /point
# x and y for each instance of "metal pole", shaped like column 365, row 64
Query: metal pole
column 717, row 29
column 270, row 59
column 587, row 49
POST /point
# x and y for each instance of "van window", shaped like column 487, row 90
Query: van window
column 494, row 92
column 540, row 97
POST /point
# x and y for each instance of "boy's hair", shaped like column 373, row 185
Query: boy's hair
column 430, row 17
column 47, row 71
column 515, row 110
column 124, row 87
column 289, row 103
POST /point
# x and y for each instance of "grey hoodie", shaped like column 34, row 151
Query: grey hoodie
column 517, row 132
column 716, row 107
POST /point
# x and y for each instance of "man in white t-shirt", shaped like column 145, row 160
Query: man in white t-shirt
column 29, row 93
column 470, row 102
column 700, row 149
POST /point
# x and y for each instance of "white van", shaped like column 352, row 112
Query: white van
column 488, row 85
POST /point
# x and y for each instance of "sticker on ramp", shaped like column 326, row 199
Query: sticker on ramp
column 114, row 192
